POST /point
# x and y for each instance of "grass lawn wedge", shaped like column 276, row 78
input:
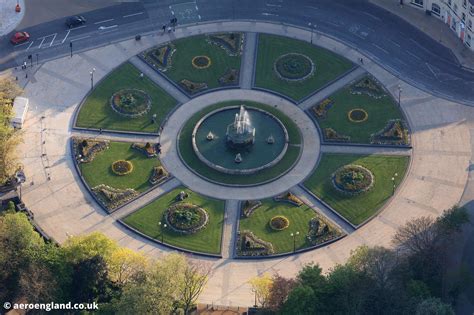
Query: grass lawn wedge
column 295, row 68
column 184, row 219
column 116, row 172
column 125, row 101
column 362, row 112
column 357, row 186
column 279, row 225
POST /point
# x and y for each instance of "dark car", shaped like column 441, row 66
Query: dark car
column 19, row 37
column 75, row 21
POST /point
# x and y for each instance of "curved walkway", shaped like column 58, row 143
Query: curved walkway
column 436, row 180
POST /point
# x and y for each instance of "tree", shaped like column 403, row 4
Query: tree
column 261, row 286
column 417, row 237
column 125, row 265
column 300, row 302
column 452, row 220
column 9, row 138
column 195, row 277
column 434, row 306
column 78, row 248
column 311, row 276
column 37, row 283
column 279, row 291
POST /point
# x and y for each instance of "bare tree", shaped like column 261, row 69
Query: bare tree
column 195, row 277
column 417, row 236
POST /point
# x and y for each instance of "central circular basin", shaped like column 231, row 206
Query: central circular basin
column 268, row 146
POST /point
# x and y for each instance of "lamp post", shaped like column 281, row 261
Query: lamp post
column 92, row 78
column 399, row 95
column 393, row 183
column 312, row 28
column 294, row 240
column 161, row 230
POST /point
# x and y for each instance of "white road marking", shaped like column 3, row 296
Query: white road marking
column 395, row 43
column 273, row 5
column 30, row 45
column 115, row 29
column 18, row 45
column 413, row 55
column 431, row 70
column 267, row 14
column 129, row 15
column 79, row 38
column 372, row 16
column 76, row 28
column 104, row 21
column 65, row 37
column 107, row 27
column 53, row 40
column 380, row 48
column 41, row 42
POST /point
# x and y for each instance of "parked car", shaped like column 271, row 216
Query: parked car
column 75, row 21
column 19, row 37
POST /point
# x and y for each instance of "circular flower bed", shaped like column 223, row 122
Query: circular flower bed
column 352, row 179
column 122, row 167
column 131, row 102
column 201, row 62
column 294, row 67
column 279, row 223
column 357, row 115
column 186, row 218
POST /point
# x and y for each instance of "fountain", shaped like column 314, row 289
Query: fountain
column 271, row 140
column 238, row 158
column 240, row 133
column 210, row 136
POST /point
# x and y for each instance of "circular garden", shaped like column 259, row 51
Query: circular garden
column 357, row 115
column 131, row 102
column 294, row 67
column 122, row 167
column 186, row 218
column 279, row 223
column 201, row 62
column 353, row 179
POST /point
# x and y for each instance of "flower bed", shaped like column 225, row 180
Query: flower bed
column 357, row 115
column 250, row 245
column 230, row 42
column 122, row 167
column 249, row 206
column 289, row 197
column 112, row 198
column 85, row 150
column 131, row 102
column 201, row 62
column 352, row 179
column 158, row 175
column 160, row 58
column 192, row 87
column 368, row 86
column 186, row 218
column 230, row 77
column 395, row 133
column 320, row 110
column 321, row 231
column 294, row 67
column 148, row 149
column 279, row 223
column 332, row 135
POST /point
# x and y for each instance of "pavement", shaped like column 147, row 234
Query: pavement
column 436, row 180
column 431, row 26
column 9, row 18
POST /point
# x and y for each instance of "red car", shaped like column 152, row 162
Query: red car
column 19, row 37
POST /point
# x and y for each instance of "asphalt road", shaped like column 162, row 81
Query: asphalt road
column 399, row 47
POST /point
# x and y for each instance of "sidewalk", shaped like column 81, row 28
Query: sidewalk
column 431, row 26
column 9, row 19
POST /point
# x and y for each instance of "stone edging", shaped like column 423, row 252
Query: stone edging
column 240, row 171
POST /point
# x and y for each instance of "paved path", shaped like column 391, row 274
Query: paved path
column 232, row 212
column 159, row 80
column 172, row 162
column 314, row 203
column 9, row 19
column 436, row 179
column 115, row 136
column 330, row 89
column 353, row 149
column 248, row 61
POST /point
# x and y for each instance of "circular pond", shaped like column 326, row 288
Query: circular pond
column 240, row 140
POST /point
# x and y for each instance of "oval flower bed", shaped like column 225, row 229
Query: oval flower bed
column 122, row 167
column 201, row 62
column 131, row 102
column 279, row 223
column 186, row 218
column 294, row 67
column 357, row 115
column 352, row 179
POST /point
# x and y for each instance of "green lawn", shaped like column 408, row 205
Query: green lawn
column 207, row 240
column 187, row 152
column 282, row 241
column 99, row 171
column 359, row 208
column 188, row 48
column 379, row 111
column 328, row 66
column 96, row 112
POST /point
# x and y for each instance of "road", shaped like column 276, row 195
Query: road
column 399, row 47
